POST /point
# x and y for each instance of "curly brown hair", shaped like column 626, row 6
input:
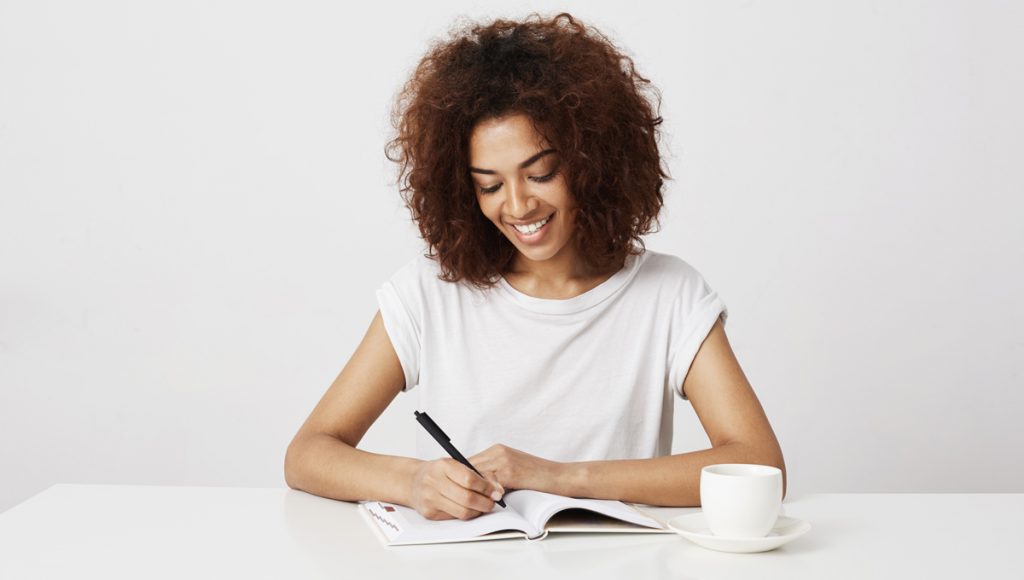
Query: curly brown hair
column 582, row 94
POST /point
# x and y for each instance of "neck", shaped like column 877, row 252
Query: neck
column 560, row 276
column 557, row 271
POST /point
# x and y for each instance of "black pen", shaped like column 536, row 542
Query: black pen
column 445, row 442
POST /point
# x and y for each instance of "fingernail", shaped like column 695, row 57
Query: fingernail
column 495, row 495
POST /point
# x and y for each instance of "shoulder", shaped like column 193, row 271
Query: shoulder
column 669, row 269
column 419, row 274
column 412, row 271
column 413, row 267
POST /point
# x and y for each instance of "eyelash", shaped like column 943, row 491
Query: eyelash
column 541, row 179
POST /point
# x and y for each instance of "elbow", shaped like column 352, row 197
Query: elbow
column 783, row 468
column 291, row 465
column 772, row 456
column 765, row 455
column 776, row 460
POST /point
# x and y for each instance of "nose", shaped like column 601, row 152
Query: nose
column 518, row 201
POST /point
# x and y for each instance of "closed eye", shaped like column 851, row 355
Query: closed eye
column 538, row 179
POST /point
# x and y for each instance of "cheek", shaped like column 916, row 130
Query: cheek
column 488, row 209
column 481, row 202
column 568, row 207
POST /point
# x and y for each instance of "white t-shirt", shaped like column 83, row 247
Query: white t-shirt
column 584, row 379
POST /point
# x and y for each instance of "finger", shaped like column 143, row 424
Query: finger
column 473, row 491
column 468, row 479
column 457, row 510
column 493, row 477
column 465, row 503
column 488, row 471
column 442, row 508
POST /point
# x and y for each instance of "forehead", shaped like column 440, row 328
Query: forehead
column 504, row 142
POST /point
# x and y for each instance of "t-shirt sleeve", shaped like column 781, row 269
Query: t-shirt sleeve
column 401, row 309
column 695, row 310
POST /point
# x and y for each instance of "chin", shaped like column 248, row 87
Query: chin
column 539, row 254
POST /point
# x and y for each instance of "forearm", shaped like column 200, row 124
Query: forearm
column 673, row 480
column 328, row 467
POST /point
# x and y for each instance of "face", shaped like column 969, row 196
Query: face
column 519, row 181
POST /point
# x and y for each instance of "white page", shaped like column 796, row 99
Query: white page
column 538, row 507
column 405, row 524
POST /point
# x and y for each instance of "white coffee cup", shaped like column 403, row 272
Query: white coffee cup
column 741, row 500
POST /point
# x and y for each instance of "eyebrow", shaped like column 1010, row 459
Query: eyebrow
column 522, row 165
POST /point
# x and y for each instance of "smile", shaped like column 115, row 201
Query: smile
column 535, row 233
column 531, row 228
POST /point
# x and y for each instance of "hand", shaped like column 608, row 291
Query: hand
column 445, row 489
column 514, row 469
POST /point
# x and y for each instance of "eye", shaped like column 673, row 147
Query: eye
column 547, row 177
column 538, row 179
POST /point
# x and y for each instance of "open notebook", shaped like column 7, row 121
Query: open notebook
column 530, row 514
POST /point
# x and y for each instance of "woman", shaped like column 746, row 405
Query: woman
column 544, row 342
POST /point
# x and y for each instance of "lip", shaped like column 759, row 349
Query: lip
column 536, row 237
column 529, row 222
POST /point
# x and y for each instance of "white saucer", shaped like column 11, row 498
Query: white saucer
column 694, row 527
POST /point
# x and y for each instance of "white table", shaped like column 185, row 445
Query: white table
column 126, row 531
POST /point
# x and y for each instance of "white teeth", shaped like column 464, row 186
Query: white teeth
column 532, row 227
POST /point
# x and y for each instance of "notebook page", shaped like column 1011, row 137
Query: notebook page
column 580, row 520
column 401, row 524
column 537, row 507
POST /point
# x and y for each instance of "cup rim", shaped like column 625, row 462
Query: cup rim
column 741, row 470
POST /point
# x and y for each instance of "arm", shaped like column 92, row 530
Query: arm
column 728, row 410
column 731, row 415
column 323, row 460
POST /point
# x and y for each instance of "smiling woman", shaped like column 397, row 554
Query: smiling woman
column 540, row 332
column 485, row 102
column 530, row 204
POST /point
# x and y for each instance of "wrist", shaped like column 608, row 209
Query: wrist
column 409, row 468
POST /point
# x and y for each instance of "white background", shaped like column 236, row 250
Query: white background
column 195, row 212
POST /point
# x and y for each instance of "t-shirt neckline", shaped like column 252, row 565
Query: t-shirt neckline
column 588, row 299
